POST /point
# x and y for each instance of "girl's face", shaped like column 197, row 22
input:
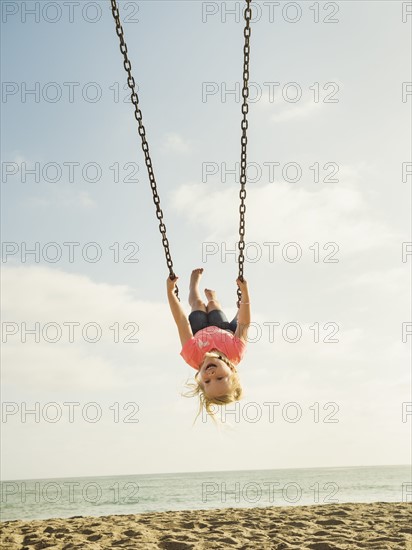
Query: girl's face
column 215, row 376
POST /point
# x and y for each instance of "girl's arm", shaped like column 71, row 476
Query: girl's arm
column 180, row 317
column 243, row 318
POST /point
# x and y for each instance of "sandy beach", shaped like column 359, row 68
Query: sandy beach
column 378, row 526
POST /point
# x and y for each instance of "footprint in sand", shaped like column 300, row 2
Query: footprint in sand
column 330, row 522
column 249, row 524
column 131, row 533
column 191, row 525
column 323, row 546
column 338, row 513
column 94, row 538
column 229, row 540
column 30, row 540
column 175, row 545
column 296, row 524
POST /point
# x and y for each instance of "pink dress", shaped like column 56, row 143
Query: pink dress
column 209, row 338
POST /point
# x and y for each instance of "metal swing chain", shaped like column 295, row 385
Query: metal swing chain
column 145, row 146
column 243, row 141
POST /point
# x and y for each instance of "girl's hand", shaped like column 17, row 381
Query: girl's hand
column 171, row 284
column 241, row 284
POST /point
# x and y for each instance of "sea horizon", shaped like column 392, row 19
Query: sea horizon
column 43, row 498
column 209, row 471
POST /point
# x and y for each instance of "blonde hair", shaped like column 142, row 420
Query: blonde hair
column 196, row 389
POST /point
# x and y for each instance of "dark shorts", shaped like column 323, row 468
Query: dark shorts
column 200, row 319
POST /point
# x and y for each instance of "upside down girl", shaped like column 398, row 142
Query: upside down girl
column 211, row 344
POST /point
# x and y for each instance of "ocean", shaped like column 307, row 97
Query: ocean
column 135, row 494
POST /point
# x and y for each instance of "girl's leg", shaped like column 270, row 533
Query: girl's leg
column 195, row 301
column 212, row 301
column 234, row 322
column 215, row 315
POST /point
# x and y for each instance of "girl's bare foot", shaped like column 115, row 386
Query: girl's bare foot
column 195, row 277
column 210, row 295
column 195, row 300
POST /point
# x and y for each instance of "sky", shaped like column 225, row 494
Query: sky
column 326, row 375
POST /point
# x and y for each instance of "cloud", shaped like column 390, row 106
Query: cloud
column 290, row 112
column 175, row 143
column 305, row 372
column 122, row 355
column 286, row 212
column 385, row 280
column 275, row 106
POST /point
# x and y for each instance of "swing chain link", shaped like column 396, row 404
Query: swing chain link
column 243, row 141
column 145, row 146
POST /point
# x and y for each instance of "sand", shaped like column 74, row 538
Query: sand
column 377, row 526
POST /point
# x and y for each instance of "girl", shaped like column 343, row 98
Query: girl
column 210, row 344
